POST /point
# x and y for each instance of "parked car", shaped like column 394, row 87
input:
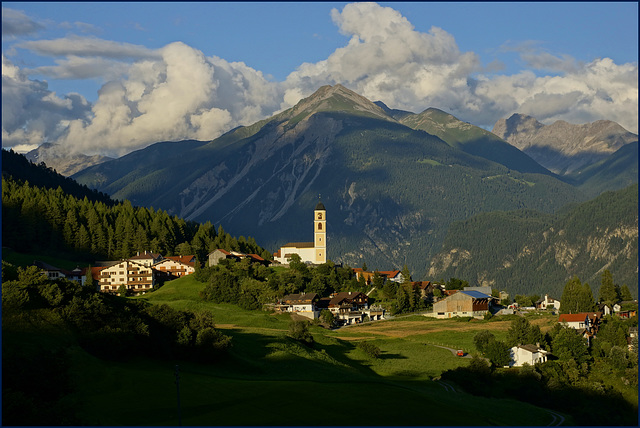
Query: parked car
column 460, row 353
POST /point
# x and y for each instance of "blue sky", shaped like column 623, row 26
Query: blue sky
column 478, row 61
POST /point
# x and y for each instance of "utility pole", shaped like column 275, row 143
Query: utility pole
column 177, row 373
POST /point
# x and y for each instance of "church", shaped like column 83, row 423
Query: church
column 309, row 252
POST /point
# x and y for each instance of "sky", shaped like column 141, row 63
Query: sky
column 110, row 78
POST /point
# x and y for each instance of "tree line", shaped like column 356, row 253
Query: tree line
column 45, row 219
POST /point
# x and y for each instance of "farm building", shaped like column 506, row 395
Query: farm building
column 462, row 304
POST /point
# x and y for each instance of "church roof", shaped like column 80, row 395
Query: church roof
column 320, row 207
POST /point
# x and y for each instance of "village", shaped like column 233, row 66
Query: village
column 147, row 271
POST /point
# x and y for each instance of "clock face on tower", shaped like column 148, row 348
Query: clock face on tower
column 319, row 216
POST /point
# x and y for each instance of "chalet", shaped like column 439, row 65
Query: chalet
column 55, row 273
column 547, row 303
column 136, row 277
column 527, row 354
column 348, row 306
column 303, row 304
column 50, row 271
column 463, row 304
column 217, row 255
column 393, row 275
column 173, row 267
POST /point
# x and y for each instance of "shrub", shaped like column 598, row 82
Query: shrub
column 299, row 330
column 370, row 349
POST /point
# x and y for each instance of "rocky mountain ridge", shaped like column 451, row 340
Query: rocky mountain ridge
column 562, row 147
column 62, row 162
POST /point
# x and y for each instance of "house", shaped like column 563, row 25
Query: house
column 605, row 308
column 547, row 303
column 529, row 354
column 301, row 303
column 217, row 255
column 576, row 321
column 146, row 259
column 632, row 340
column 348, row 306
column 588, row 321
column 368, row 276
column 504, row 295
column 173, row 267
column 310, row 252
column 626, row 309
column 464, row 303
column 55, row 273
column 393, row 275
column 50, row 271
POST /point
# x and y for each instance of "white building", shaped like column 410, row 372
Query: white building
column 529, row 354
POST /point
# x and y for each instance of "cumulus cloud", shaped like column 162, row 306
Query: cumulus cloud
column 182, row 95
column 31, row 113
column 176, row 92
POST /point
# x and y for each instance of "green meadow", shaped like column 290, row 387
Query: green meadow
column 267, row 378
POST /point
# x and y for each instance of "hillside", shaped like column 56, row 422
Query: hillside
column 563, row 147
column 528, row 252
column 390, row 191
column 615, row 172
column 20, row 168
column 472, row 139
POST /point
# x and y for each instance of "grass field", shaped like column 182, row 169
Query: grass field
column 267, row 378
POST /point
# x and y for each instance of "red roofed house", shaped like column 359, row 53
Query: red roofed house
column 176, row 266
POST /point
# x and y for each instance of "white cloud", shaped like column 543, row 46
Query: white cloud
column 88, row 46
column 184, row 95
column 176, row 93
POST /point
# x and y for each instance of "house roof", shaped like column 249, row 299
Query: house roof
column 256, row 257
column 572, row 317
column 187, row 260
column 145, row 256
column 476, row 294
column 345, row 295
column 45, row 266
column 225, row 252
column 389, row 273
column 532, row 348
column 299, row 245
column 304, row 297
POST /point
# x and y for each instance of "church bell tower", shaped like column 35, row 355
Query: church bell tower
column 320, row 233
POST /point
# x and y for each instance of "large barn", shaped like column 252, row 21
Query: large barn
column 462, row 304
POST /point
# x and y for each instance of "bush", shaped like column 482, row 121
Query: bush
column 299, row 330
column 370, row 349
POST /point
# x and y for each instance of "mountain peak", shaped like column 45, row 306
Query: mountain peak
column 337, row 98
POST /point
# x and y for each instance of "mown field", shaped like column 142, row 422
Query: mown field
column 267, row 378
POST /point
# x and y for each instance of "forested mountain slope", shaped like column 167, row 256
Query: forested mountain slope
column 390, row 191
column 528, row 252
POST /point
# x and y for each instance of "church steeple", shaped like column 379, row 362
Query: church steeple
column 320, row 233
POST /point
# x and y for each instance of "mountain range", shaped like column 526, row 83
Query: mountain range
column 561, row 147
column 62, row 162
column 392, row 181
